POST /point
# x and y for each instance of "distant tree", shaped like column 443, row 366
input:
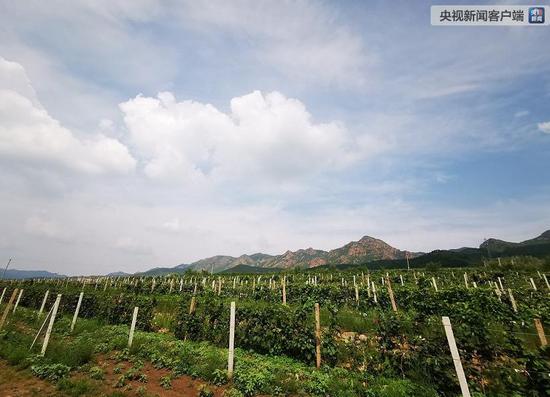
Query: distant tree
column 433, row 266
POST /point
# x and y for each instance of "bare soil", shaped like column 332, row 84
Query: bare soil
column 181, row 386
column 21, row 383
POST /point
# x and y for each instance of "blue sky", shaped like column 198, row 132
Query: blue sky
column 136, row 134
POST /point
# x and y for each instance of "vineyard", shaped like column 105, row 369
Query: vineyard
column 322, row 333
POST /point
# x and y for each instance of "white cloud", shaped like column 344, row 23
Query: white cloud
column 261, row 143
column 436, row 92
column 13, row 78
column 29, row 134
column 106, row 125
column 132, row 246
column 263, row 136
column 544, row 127
column 441, row 177
column 116, row 10
column 174, row 225
column 121, row 235
column 41, row 227
column 521, row 113
column 304, row 40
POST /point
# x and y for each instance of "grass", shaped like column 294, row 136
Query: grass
column 165, row 312
column 15, row 355
column 14, row 346
column 76, row 387
column 352, row 320
column 164, row 320
column 72, row 353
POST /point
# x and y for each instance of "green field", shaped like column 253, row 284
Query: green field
column 366, row 347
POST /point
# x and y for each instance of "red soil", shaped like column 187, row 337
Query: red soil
column 21, row 383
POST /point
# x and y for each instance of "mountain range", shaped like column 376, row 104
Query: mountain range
column 367, row 251
column 538, row 247
column 22, row 274
column 496, row 247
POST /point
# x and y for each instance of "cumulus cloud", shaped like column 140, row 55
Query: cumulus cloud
column 13, row 78
column 264, row 136
column 29, row 134
column 544, row 127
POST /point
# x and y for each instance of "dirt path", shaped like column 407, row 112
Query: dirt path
column 21, row 383
column 181, row 386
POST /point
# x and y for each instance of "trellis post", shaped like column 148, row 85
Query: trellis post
column 231, row 353
column 317, row 336
column 456, row 357
column 50, row 325
column 8, row 307
column 284, row 290
column 540, row 332
column 133, row 327
column 76, row 311
column 392, row 298
column 514, row 306
column 18, row 299
column 533, row 283
column 500, row 283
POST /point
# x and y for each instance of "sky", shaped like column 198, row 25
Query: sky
column 137, row 133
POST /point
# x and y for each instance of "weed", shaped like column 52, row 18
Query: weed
column 51, row 372
column 75, row 388
column 232, row 392
column 141, row 391
column 166, row 382
column 143, row 378
column 96, row 373
column 204, row 391
column 72, row 354
column 219, row 376
column 120, row 382
column 132, row 374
